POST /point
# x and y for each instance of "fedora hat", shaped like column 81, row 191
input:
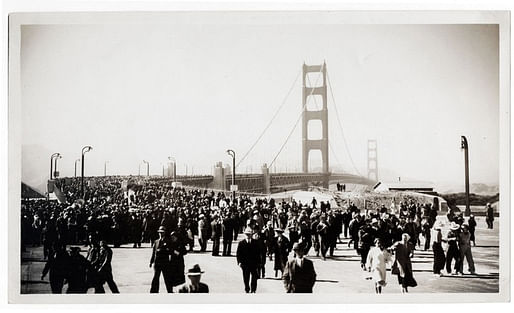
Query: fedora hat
column 194, row 271
column 248, row 230
column 297, row 246
column 454, row 226
column 162, row 229
column 279, row 230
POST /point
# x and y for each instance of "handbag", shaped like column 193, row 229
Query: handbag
column 394, row 269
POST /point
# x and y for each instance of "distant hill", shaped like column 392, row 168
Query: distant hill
column 454, row 199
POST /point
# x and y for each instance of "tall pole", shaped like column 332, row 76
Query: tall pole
column 52, row 164
column 464, row 146
column 105, row 168
column 174, row 168
column 147, row 167
column 233, row 155
column 84, row 150
column 55, row 167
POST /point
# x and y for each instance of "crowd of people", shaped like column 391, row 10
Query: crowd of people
column 120, row 211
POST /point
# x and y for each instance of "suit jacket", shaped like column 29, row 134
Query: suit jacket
column 188, row 288
column 299, row 279
column 248, row 254
column 161, row 252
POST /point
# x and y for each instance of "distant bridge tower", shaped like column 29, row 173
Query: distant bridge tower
column 322, row 115
column 372, row 160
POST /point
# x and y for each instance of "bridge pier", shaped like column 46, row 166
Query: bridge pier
column 219, row 177
column 266, row 179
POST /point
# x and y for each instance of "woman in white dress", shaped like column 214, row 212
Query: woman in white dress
column 378, row 257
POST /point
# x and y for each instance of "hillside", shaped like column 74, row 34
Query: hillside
column 474, row 199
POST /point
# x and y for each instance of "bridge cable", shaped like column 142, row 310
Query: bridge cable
column 271, row 121
column 297, row 120
column 340, row 126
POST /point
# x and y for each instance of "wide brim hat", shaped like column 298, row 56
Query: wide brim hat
column 248, row 230
column 162, row 229
column 454, row 226
column 194, row 271
column 297, row 246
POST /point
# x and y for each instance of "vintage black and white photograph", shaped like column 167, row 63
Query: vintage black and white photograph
column 258, row 153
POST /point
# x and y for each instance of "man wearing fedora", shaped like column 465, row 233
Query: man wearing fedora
column 299, row 274
column 195, row 286
column 453, row 248
column 248, row 258
column 161, row 262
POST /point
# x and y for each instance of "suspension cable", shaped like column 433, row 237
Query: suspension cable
column 341, row 127
column 271, row 121
column 298, row 119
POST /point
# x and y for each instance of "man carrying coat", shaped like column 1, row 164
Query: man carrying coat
column 299, row 274
column 248, row 258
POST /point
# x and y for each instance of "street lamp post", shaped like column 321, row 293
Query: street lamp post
column 147, row 167
column 52, row 164
column 55, row 166
column 77, row 160
column 174, row 168
column 233, row 155
column 84, row 150
column 105, row 168
column 464, row 146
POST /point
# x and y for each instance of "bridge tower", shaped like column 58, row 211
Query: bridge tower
column 372, row 160
column 322, row 115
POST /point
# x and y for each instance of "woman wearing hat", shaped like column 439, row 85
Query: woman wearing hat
column 437, row 248
column 281, row 251
column 376, row 262
column 403, row 251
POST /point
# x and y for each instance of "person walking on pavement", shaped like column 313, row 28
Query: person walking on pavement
column 161, row 262
column 489, row 216
column 465, row 250
column 299, row 274
column 104, row 269
column 403, row 251
column 453, row 249
column 281, row 251
column 58, row 266
column 216, row 231
column 77, row 275
column 376, row 262
column 248, row 257
column 437, row 248
column 228, row 233
column 472, row 223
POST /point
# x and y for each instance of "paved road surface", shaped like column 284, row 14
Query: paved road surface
column 340, row 274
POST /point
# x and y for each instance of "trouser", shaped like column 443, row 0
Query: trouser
column 452, row 254
column 308, row 245
column 164, row 269
column 216, row 246
column 261, row 271
column 106, row 277
column 439, row 258
column 203, row 244
column 427, row 241
column 247, row 273
column 465, row 251
column 364, row 254
column 489, row 222
column 324, row 244
column 56, row 284
column 345, row 230
column 227, row 246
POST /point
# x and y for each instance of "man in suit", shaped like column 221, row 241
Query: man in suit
column 299, row 274
column 216, row 227
column 195, row 286
column 228, row 231
column 161, row 262
column 248, row 258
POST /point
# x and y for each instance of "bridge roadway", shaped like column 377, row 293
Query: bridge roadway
column 277, row 182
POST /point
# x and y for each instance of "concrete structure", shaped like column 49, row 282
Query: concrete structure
column 321, row 115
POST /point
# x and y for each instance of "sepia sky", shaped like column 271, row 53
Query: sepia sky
column 148, row 91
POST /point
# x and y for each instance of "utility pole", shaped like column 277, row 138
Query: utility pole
column 464, row 146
